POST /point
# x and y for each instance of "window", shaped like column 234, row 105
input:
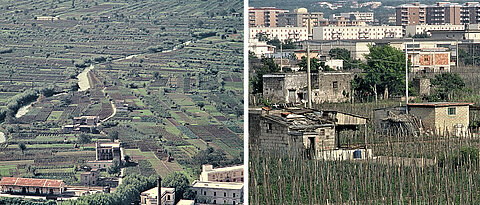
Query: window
column 225, row 194
column 269, row 127
column 335, row 84
column 205, row 193
column 168, row 197
column 214, row 193
column 214, row 201
column 233, row 194
column 452, row 111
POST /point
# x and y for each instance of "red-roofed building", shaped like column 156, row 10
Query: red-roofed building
column 31, row 186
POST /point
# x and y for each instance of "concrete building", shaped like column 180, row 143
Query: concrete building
column 30, row 186
column 150, row 197
column 356, row 32
column 441, row 13
column 295, row 131
column 411, row 14
column 429, row 60
column 285, row 87
column 444, row 13
column 222, row 174
column 89, row 178
column 425, row 29
column 471, row 34
column 264, row 16
column 335, row 64
column 470, row 13
column 260, row 48
column 86, row 120
column 367, row 17
column 443, row 118
column 280, row 33
column 218, row 192
column 299, row 18
column 342, row 21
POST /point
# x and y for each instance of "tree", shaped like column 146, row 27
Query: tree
column 113, row 135
column 385, row 72
column 22, row 147
column 268, row 66
column 84, row 139
column 446, row 84
column 127, row 159
column 287, row 44
column 178, row 181
column 340, row 53
column 114, row 168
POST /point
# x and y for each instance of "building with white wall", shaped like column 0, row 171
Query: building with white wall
column 280, row 33
column 222, row 174
column 150, row 197
column 356, row 32
column 260, row 48
column 218, row 192
column 425, row 29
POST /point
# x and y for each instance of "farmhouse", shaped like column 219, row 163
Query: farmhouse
column 105, row 154
column 298, row 131
column 292, row 87
column 218, row 192
column 443, row 118
column 83, row 124
column 150, row 197
column 89, row 178
column 224, row 174
column 15, row 185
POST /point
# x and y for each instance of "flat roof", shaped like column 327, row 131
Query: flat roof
column 30, row 182
column 224, row 169
column 186, row 202
column 218, row 185
column 154, row 193
column 439, row 104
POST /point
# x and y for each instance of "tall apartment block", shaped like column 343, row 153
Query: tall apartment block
column 264, row 16
column 411, row 14
column 441, row 13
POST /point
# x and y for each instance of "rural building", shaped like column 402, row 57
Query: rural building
column 431, row 60
column 264, row 16
column 15, row 185
column 333, row 87
column 150, row 197
column 443, row 118
column 223, row 174
column 422, row 86
column 89, row 178
column 218, row 192
column 292, row 87
column 106, row 152
column 311, row 133
column 47, row 18
column 280, row 33
column 121, row 105
column 86, row 120
column 356, row 32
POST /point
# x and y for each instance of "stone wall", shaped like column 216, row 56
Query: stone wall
column 333, row 87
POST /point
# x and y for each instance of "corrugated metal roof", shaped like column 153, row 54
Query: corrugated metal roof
column 439, row 104
column 15, row 181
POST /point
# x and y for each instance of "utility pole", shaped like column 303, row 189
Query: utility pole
column 406, row 77
column 281, row 56
column 309, row 80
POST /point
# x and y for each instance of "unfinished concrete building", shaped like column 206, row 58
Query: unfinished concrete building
column 310, row 133
column 291, row 88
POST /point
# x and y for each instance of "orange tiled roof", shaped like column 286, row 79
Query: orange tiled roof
column 31, row 182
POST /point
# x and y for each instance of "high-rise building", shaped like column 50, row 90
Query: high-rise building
column 411, row 14
column 443, row 13
column 264, row 16
column 470, row 13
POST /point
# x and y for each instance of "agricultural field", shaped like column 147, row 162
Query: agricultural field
column 176, row 65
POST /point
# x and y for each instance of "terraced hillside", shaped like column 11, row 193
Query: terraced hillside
column 177, row 65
